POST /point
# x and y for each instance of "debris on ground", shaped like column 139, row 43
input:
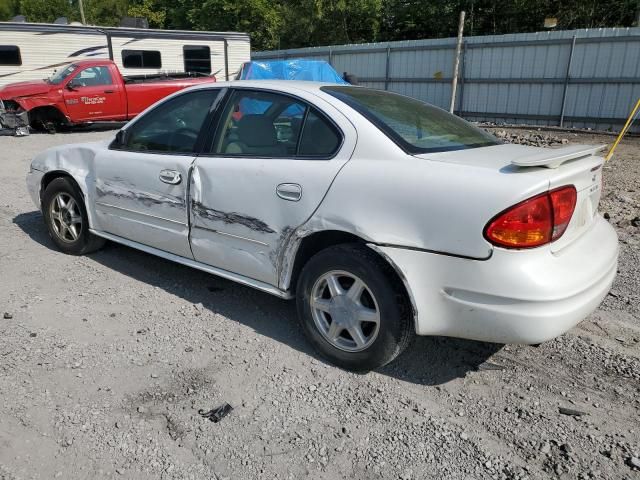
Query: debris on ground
column 533, row 139
column 216, row 414
column 571, row 412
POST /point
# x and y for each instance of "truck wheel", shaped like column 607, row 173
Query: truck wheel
column 66, row 218
column 351, row 309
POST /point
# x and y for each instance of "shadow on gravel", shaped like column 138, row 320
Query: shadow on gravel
column 429, row 361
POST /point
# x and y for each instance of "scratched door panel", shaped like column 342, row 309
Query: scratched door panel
column 241, row 221
column 132, row 202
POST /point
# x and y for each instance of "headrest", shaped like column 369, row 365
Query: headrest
column 257, row 131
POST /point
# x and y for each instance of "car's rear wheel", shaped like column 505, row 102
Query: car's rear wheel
column 66, row 218
column 352, row 309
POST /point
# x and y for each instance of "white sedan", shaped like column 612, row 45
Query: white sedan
column 385, row 217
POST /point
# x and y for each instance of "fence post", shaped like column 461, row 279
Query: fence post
column 566, row 81
column 386, row 72
column 464, row 59
column 456, row 63
column 330, row 56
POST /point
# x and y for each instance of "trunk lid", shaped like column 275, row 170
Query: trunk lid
column 576, row 165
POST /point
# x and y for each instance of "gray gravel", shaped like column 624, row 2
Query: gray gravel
column 105, row 361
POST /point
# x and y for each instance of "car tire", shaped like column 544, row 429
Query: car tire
column 66, row 218
column 328, row 303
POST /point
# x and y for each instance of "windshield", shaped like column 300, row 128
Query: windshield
column 415, row 126
column 59, row 76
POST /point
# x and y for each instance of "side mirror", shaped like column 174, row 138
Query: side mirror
column 72, row 87
column 120, row 140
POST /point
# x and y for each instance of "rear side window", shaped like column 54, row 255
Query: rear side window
column 273, row 125
column 197, row 58
column 10, row 55
column 172, row 126
column 319, row 137
column 415, row 126
column 141, row 59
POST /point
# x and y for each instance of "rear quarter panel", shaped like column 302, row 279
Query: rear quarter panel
column 410, row 202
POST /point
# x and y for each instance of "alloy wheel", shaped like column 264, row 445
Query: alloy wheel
column 345, row 311
column 65, row 216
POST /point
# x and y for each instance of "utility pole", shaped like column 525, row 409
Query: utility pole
column 84, row 22
column 456, row 63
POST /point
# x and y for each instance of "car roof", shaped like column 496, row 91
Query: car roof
column 282, row 85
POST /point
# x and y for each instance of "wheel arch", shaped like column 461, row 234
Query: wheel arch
column 41, row 114
column 51, row 175
column 308, row 245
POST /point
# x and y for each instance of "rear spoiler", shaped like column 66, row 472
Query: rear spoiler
column 553, row 158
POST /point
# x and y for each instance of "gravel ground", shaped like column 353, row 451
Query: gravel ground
column 105, row 361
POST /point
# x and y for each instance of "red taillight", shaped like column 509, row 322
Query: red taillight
column 534, row 222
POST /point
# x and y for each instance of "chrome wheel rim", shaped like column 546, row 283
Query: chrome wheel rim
column 345, row 311
column 66, row 220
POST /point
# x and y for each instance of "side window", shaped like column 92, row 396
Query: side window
column 141, row 59
column 197, row 58
column 173, row 126
column 319, row 137
column 10, row 55
column 93, row 76
column 260, row 124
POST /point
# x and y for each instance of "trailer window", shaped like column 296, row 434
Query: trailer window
column 197, row 58
column 141, row 59
column 10, row 55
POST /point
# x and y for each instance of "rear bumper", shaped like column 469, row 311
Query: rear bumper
column 525, row 296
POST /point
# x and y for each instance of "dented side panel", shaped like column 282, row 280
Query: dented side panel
column 239, row 223
column 131, row 201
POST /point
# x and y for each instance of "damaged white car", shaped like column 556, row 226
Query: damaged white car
column 383, row 216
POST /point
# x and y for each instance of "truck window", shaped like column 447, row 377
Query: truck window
column 93, row 76
column 197, row 58
column 60, row 75
column 141, row 59
column 173, row 126
column 10, row 55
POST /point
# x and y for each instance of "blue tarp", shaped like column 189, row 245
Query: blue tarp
column 295, row 69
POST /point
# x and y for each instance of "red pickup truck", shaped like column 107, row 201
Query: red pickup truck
column 83, row 92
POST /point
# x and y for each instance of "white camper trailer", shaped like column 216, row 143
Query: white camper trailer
column 31, row 51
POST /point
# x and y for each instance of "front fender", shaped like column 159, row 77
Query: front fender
column 77, row 162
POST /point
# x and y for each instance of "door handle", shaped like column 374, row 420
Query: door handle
column 170, row 176
column 289, row 191
column 108, row 91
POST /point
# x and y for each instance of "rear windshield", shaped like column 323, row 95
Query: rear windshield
column 415, row 126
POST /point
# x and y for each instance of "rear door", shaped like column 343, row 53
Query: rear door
column 141, row 187
column 92, row 94
column 268, row 166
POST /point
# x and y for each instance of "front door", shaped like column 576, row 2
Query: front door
column 141, row 187
column 92, row 95
column 271, row 162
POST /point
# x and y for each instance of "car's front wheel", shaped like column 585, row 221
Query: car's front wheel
column 66, row 218
column 352, row 309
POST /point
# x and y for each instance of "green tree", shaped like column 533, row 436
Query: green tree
column 106, row 13
column 261, row 18
column 153, row 10
column 8, row 9
column 322, row 22
column 45, row 11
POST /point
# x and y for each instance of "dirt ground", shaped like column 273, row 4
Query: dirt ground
column 105, row 361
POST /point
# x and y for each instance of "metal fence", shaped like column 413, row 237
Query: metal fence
column 581, row 78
